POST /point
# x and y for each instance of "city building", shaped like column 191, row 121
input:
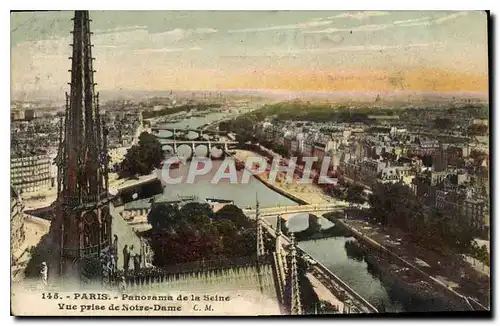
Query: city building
column 287, row 143
column 31, row 173
column 423, row 189
column 437, row 177
column 395, row 131
column 428, row 147
column 217, row 204
column 17, row 234
column 454, row 154
column 16, row 115
column 318, row 151
column 371, row 171
column 477, row 212
column 140, row 207
column 480, row 122
column 30, row 114
column 440, row 162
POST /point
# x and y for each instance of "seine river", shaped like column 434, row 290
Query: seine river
column 331, row 251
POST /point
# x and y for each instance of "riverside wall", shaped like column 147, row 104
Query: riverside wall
column 273, row 187
column 450, row 293
column 467, row 303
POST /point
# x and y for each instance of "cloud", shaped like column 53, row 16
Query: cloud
column 205, row 30
column 361, row 15
column 166, row 50
column 423, row 21
column 183, row 32
column 307, row 25
column 119, row 38
column 180, row 34
column 338, row 49
column 361, row 28
column 411, row 21
column 120, row 29
column 427, row 21
column 450, row 17
column 365, row 48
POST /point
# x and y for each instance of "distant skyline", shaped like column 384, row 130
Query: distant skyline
column 371, row 51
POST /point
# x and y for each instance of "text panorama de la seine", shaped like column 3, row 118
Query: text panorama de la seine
column 142, row 306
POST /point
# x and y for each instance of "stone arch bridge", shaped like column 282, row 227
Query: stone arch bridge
column 199, row 148
column 188, row 134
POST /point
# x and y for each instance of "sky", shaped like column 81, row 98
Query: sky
column 328, row 51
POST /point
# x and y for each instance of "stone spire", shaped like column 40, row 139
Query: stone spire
column 82, row 165
column 295, row 303
column 280, row 255
column 81, row 226
column 260, row 233
column 278, row 234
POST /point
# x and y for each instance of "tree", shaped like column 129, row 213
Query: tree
column 244, row 128
column 444, row 229
column 355, row 194
column 478, row 157
column 226, row 228
column 234, row 214
column 481, row 254
column 141, row 159
column 197, row 213
column 338, row 192
column 427, row 160
column 280, row 149
column 443, row 123
column 162, row 216
column 393, row 204
column 225, row 126
column 193, row 233
column 379, row 203
column 151, row 149
column 477, row 130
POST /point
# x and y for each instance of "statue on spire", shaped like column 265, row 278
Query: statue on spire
column 295, row 302
column 260, row 232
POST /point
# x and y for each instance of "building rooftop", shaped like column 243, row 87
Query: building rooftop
column 138, row 204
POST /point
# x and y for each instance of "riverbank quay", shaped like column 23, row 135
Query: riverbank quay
column 393, row 255
column 324, row 294
column 405, row 283
column 471, row 297
column 302, row 194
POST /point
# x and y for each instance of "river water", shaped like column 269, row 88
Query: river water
column 243, row 195
column 330, row 252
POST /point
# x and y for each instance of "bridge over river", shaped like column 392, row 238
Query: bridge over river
column 352, row 301
column 287, row 211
